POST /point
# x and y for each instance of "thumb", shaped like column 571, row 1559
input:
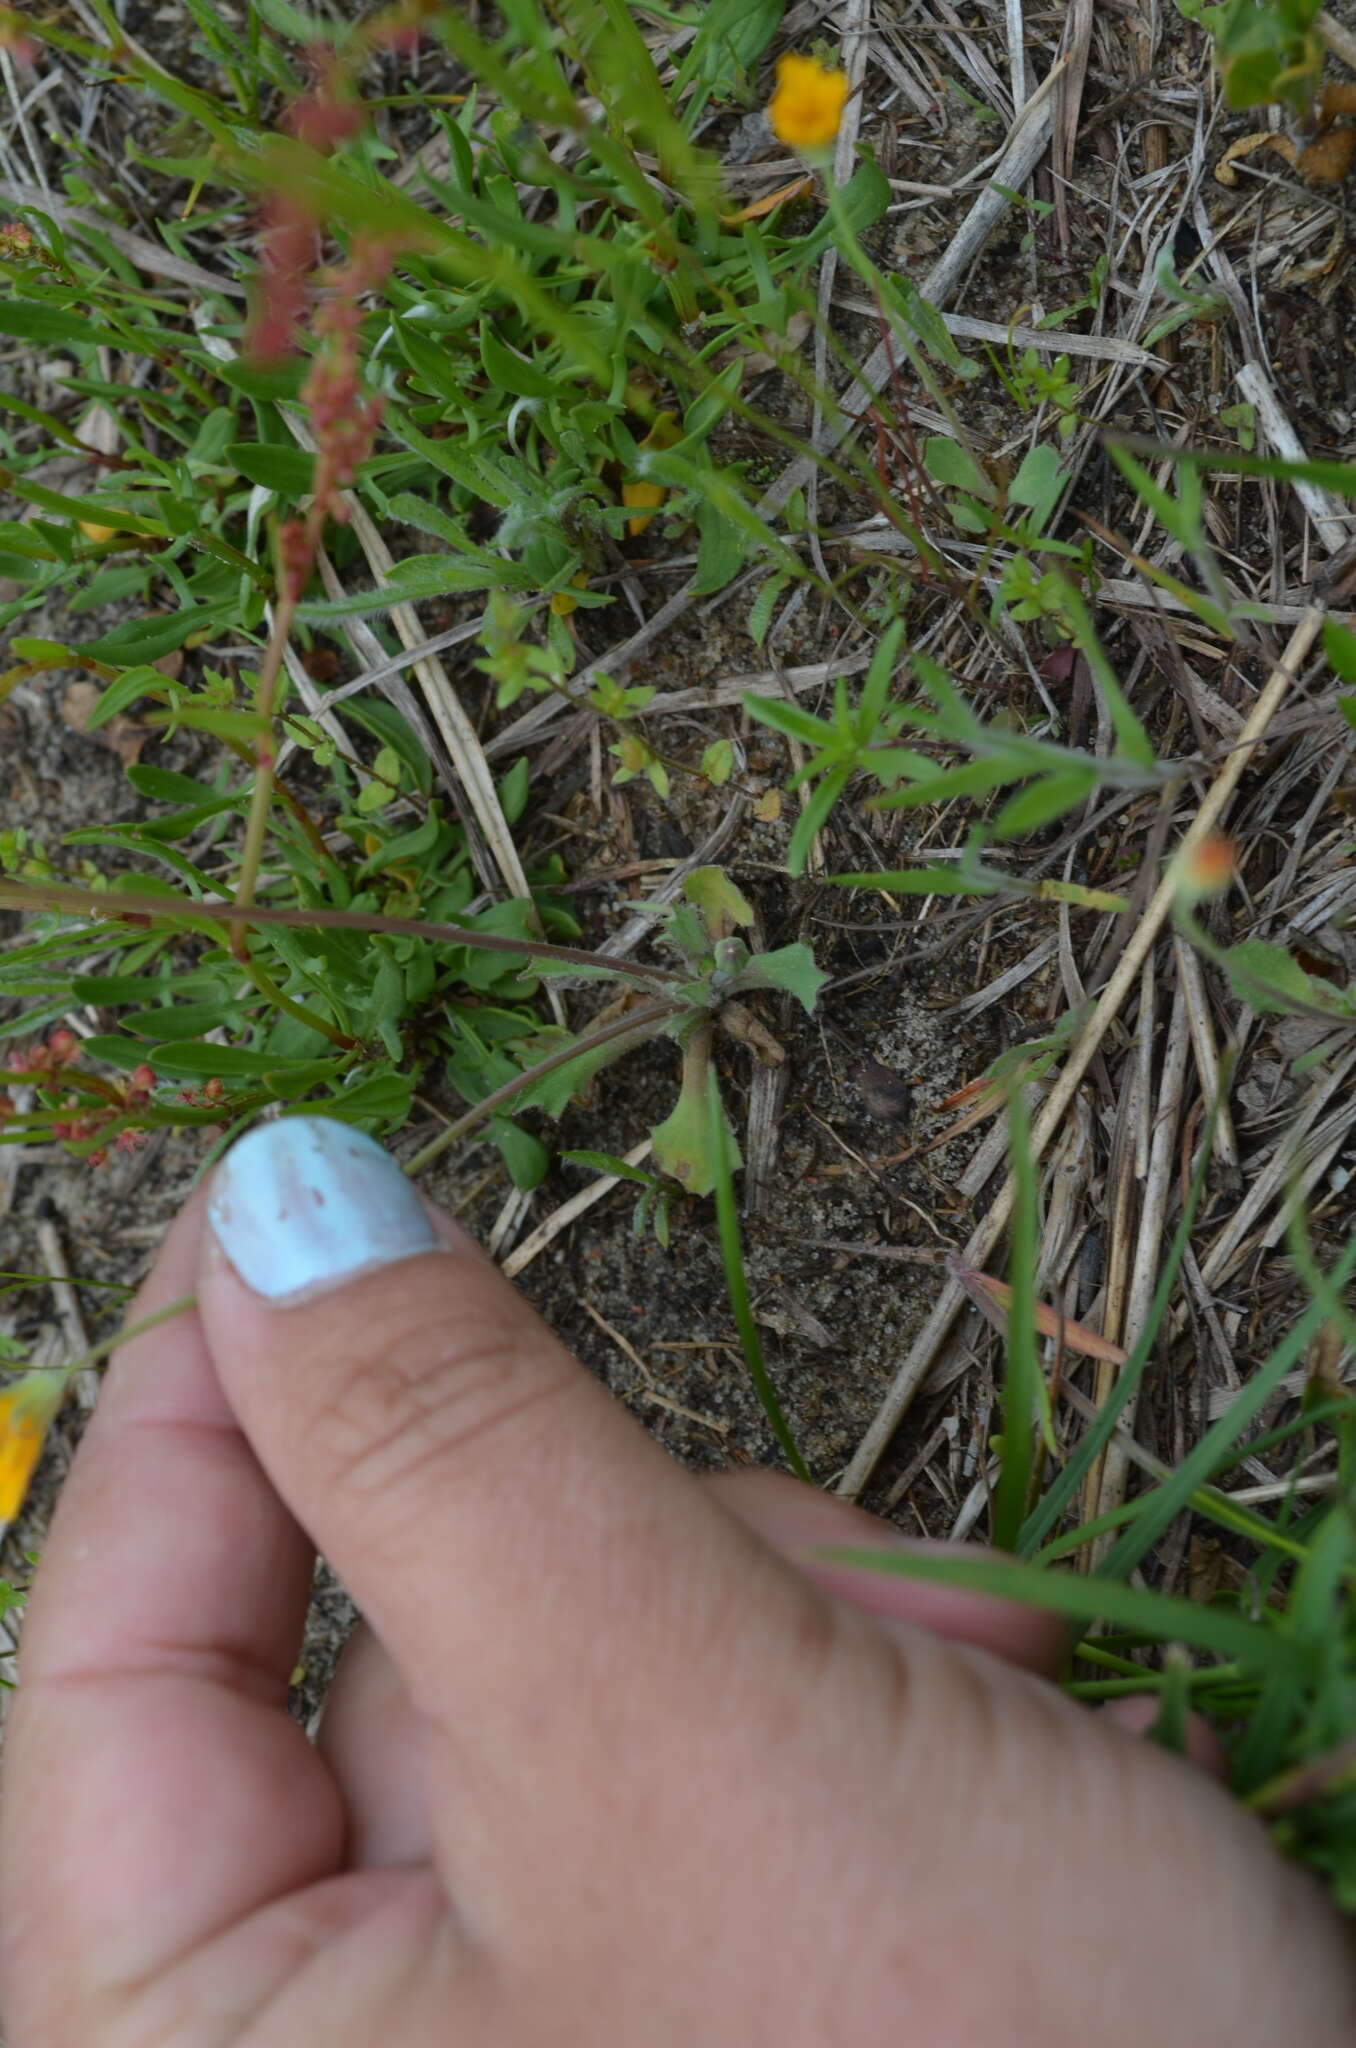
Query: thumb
column 514, row 1539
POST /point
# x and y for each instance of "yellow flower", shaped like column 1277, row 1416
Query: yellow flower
column 808, row 104
column 25, row 1411
column 641, row 496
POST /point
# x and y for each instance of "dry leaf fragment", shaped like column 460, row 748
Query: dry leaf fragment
column 1247, row 145
column 1329, row 157
column 123, row 735
column 760, row 208
column 1325, row 160
column 993, row 1299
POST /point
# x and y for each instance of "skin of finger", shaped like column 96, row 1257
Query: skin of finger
column 149, row 1717
column 792, row 1796
column 619, row 1685
column 798, row 1523
column 527, row 1557
column 373, row 1740
column 376, row 1747
column 840, row 1776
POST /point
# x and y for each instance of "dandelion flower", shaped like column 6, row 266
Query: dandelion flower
column 25, row 1411
column 807, row 106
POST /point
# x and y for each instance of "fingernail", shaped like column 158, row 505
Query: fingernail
column 304, row 1204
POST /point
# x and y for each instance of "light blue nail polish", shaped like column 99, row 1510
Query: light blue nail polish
column 304, row 1204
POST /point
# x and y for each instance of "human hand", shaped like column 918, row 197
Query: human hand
column 615, row 1760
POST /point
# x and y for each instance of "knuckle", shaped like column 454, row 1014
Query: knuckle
column 397, row 1417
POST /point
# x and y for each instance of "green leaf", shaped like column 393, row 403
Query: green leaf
column 1339, row 644
column 928, row 324
column 826, row 795
column 276, row 466
column 165, row 786
column 791, row 968
column 92, row 511
column 947, row 462
column 763, row 606
column 245, row 727
column 1177, row 517
column 717, row 763
column 380, row 1098
column 31, row 321
column 722, row 549
column 1039, row 482
column 146, row 640
column 526, row 1158
column 264, row 381
column 732, row 37
column 790, row 719
column 736, row 1278
column 605, row 1162
column 1270, row 979
column 125, row 689
column 682, row 1143
column 1089, row 1599
column 879, row 676
column 928, row 881
column 1044, row 800
column 706, row 412
column 434, row 366
column 723, row 906
column 420, row 577
column 1131, row 737
column 554, row 1091
column 183, row 1021
column 508, row 371
column 290, row 22
column 452, row 458
column 238, row 1063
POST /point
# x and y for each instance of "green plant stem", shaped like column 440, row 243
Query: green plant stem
column 256, row 825
column 269, row 990
column 36, row 897
column 98, row 1352
column 644, row 1023
column 1022, row 1380
column 736, row 1281
column 851, row 249
column 1208, row 1677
